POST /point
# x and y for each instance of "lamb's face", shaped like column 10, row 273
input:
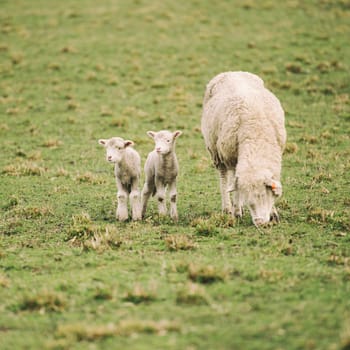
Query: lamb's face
column 164, row 140
column 115, row 148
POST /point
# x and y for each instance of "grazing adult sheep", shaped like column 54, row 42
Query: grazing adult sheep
column 243, row 128
column 161, row 170
column 127, row 169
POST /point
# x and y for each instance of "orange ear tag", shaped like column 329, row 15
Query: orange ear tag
column 273, row 186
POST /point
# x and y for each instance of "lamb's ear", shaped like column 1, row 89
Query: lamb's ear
column 176, row 134
column 102, row 142
column 275, row 186
column 128, row 143
column 151, row 134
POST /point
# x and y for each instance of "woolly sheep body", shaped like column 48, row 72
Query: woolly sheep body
column 243, row 128
column 161, row 170
column 127, row 170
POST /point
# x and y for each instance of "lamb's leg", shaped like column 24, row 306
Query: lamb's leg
column 135, row 201
column 173, row 198
column 225, row 191
column 161, row 198
column 147, row 191
column 122, row 206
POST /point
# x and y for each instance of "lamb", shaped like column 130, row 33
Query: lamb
column 243, row 129
column 161, row 170
column 127, row 170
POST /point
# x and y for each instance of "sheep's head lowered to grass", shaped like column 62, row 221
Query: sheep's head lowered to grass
column 259, row 196
column 115, row 148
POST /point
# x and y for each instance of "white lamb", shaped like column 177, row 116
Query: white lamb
column 243, row 129
column 161, row 169
column 127, row 169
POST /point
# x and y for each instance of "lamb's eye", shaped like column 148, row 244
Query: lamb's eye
column 168, row 141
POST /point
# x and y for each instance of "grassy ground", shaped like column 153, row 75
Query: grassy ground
column 71, row 277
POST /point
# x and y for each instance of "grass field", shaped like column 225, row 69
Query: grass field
column 71, row 276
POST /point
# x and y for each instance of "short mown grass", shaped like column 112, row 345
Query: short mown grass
column 71, row 276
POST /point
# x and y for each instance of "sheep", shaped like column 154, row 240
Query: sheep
column 127, row 170
column 243, row 128
column 161, row 170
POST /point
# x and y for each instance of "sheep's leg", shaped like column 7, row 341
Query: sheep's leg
column 122, row 206
column 147, row 191
column 225, row 191
column 274, row 217
column 173, row 198
column 161, row 198
column 237, row 207
column 135, row 201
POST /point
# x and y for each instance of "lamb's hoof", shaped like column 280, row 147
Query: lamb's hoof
column 175, row 218
column 122, row 217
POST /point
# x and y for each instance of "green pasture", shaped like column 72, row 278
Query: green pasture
column 71, row 277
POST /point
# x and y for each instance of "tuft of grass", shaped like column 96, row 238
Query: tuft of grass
column 125, row 328
column 4, row 281
column 320, row 215
column 25, row 168
column 120, row 123
column 192, row 294
column 176, row 242
column 345, row 337
column 44, row 301
column 52, row 143
column 32, row 212
column 271, row 276
column 106, row 112
column 291, row 148
column 103, row 293
column 294, row 67
column 82, row 228
column 16, row 57
column 55, row 66
column 103, row 239
column 204, row 227
column 88, row 177
column 12, row 202
column 335, row 259
column 211, row 225
column 138, row 294
column 4, row 127
column 207, row 274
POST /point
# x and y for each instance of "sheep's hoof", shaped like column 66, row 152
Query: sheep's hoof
column 227, row 211
column 274, row 217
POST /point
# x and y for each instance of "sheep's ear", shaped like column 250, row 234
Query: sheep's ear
column 176, row 134
column 275, row 186
column 151, row 134
column 128, row 143
column 102, row 142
